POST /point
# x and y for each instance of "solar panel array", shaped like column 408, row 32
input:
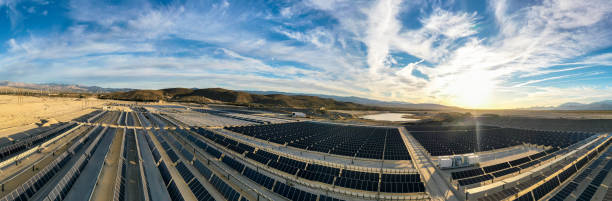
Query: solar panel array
column 34, row 184
column 543, row 190
column 452, row 141
column 255, row 176
column 595, row 183
column 32, row 141
column 478, row 175
column 368, row 181
column 563, row 124
column 353, row 141
column 227, row 113
column 39, row 180
column 535, row 178
column 195, row 184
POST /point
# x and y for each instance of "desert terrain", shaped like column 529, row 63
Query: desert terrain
column 19, row 113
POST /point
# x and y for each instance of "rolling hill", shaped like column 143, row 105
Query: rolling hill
column 371, row 102
column 219, row 95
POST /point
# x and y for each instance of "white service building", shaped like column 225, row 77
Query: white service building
column 298, row 114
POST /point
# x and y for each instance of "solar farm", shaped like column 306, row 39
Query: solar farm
column 159, row 153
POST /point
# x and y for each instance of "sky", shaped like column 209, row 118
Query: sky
column 473, row 54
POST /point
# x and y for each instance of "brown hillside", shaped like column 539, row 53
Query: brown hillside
column 136, row 95
column 219, row 95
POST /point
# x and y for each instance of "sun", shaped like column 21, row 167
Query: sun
column 472, row 89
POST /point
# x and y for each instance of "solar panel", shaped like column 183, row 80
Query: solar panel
column 233, row 163
column 175, row 194
column 442, row 140
column 545, row 188
column 200, row 192
column 163, row 170
column 214, row 152
column 188, row 155
column 506, row 172
column 226, row 190
column 467, row 173
column 496, row 167
column 525, row 197
column 172, row 155
column 184, row 172
column 293, row 193
column 316, row 176
column 359, row 141
column 259, row 178
column 474, row 180
column 588, row 193
column 566, row 191
column 202, row 169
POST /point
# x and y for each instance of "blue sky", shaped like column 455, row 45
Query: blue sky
column 475, row 54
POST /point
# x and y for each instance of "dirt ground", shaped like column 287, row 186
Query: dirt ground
column 25, row 112
column 20, row 113
column 106, row 181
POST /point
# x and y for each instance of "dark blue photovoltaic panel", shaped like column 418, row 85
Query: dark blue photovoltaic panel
column 347, row 140
column 200, row 192
column 226, row 190
column 172, row 155
column 259, row 178
column 214, row 152
column 184, row 171
column 293, row 193
column 175, row 194
column 164, row 172
column 452, row 140
column 202, row 169
column 233, row 163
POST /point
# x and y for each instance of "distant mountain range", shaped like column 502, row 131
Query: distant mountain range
column 219, row 95
column 365, row 101
column 601, row 105
column 243, row 97
column 52, row 87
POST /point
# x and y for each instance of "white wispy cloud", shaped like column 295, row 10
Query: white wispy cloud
column 355, row 54
column 450, row 24
column 555, row 78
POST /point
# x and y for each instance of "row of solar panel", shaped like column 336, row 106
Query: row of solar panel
column 542, row 190
column 353, row 141
column 63, row 186
column 451, row 142
column 349, row 179
column 24, row 135
column 40, row 179
column 35, row 183
column 89, row 116
column 194, row 184
column 24, row 144
column 571, row 186
column 227, row 191
column 477, row 175
column 253, row 175
column 534, row 178
column 171, row 187
column 155, row 120
column 144, row 122
column 224, row 114
column 588, row 193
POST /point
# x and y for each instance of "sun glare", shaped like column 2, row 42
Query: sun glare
column 473, row 90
